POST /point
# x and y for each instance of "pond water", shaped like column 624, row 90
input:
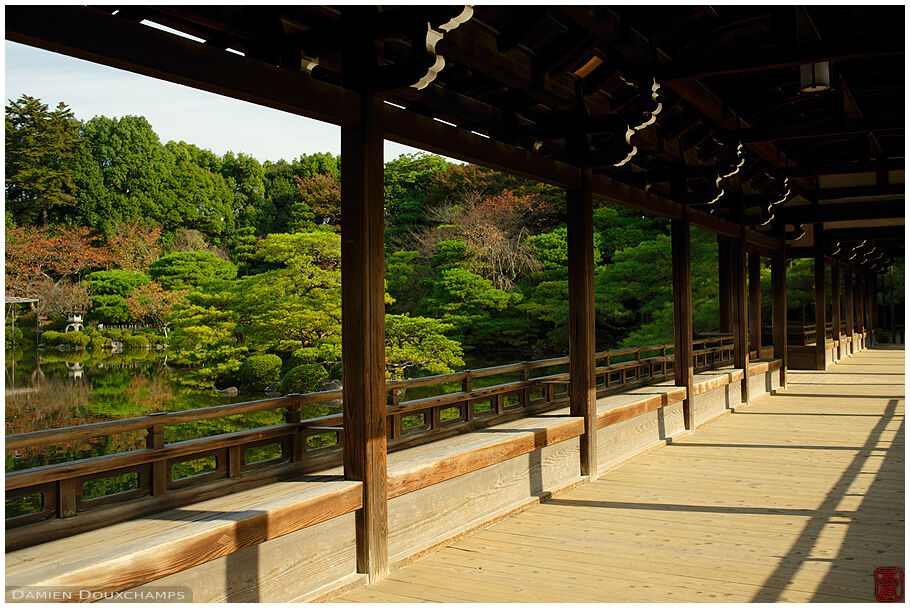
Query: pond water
column 53, row 389
column 49, row 389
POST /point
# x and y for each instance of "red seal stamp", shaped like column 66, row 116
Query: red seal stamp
column 889, row 584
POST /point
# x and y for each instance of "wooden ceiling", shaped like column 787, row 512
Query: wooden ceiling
column 674, row 105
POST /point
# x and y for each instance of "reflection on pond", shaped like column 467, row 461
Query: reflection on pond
column 53, row 389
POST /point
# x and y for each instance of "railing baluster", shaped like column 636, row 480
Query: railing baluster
column 154, row 440
column 66, row 498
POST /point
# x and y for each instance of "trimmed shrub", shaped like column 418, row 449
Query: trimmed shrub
column 76, row 339
column 135, row 343
column 304, row 379
column 258, row 371
column 52, row 337
column 97, row 342
column 113, row 334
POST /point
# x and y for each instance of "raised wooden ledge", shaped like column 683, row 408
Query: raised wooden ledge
column 628, row 404
column 708, row 381
column 143, row 550
column 419, row 467
column 761, row 367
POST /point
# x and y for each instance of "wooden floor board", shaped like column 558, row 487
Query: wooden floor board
column 795, row 498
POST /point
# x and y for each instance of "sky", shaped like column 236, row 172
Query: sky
column 175, row 112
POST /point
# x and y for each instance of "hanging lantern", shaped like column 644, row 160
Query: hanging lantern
column 815, row 77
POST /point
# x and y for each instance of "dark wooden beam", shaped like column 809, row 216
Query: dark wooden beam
column 814, row 169
column 824, row 194
column 755, row 302
column 683, row 367
column 472, row 45
column 875, row 233
column 843, row 212
column 820, row 321
column 97, row 36
column 774, row 58
column 582, row 389
column 740, row 320
column 363, row 304
column 810, row 131
column 779, row 309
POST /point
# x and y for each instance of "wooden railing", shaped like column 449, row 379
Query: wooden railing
column 66, row 498
column 803, row 335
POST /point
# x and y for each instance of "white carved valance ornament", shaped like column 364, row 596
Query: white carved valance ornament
column 432, row 39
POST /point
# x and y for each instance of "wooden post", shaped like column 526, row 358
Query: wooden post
column 725, row 296
column 582, row 392
column 818, row 236
column 835, row 309
column 848, row 294
column 860, row 304
column 682, row 313
column 779, row 307
column 740, row 323
column 363, row 300
column 755, row 302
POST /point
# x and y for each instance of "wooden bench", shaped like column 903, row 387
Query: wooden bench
column 136, row 552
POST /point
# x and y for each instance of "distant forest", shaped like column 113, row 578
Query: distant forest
column 239, row 260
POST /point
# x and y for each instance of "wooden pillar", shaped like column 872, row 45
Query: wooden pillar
column 876, row 317
column 683, row 368
column 848, row 295
column 363, row 302
column 835, row 309
column 724, row 293
column 740, row 322
column 819, row 246
column 755, row 303
column 779, row 307
column 582, row 391
column 892, row 323
column 860, row 304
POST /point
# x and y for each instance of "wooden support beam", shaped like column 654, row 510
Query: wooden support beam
column 786, row 132
column 843, row 212
column 820, row 320
column 683, row 368
column 848, row 294
column 815, row 169
column 755, row 302
column 582, row 390
column 830, row 194
column 740, row 321
column 779, row 309
column 363, row 306
column 725, row 294
column 878, row 233
column 835, row 308
column 774, row 58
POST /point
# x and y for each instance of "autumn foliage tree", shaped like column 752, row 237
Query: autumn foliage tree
column 52, row 253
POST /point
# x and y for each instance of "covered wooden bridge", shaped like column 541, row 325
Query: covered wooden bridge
column 780, row 129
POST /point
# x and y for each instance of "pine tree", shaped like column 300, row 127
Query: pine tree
column 41, row 145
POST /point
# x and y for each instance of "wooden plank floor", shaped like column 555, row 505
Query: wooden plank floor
column 797, row 497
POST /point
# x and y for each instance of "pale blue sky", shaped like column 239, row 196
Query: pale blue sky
column 175, row 112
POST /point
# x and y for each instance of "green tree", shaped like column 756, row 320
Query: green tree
column 407, row 180
column 110, row 289
column 190, row 269
column 41, row 148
